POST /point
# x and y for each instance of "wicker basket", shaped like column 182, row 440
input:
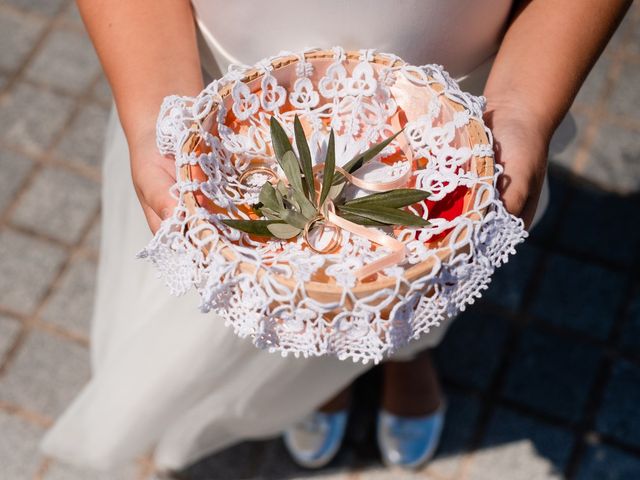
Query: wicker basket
column 328, row 291
column 413, row 98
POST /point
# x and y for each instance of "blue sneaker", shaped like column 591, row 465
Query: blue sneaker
column 409, row 442
column 314, row 441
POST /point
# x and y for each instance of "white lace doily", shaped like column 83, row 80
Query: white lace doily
column 282, row 294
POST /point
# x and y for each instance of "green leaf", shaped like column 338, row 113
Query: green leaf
column 293, row 218
column 281, row 192
column 335, row 191
column 255, row 227
column 270, row 214
column 352, row 217
column 329, row 168
column 390, row 216
column 292, row 172
column 307, row 209
column 359, row 160
column 268, row 197
column 305, row 159
column 279, row 139
column 294, row 202
column 283, row 231
column 397, row 198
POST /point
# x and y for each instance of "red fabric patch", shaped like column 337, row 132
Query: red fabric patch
column 448, row 208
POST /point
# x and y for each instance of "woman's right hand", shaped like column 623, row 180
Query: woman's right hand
column 148, row 50
column 153, row 175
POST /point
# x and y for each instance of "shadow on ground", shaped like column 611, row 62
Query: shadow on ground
column 542, row 376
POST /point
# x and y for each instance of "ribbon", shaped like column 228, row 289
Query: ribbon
column 401, row 181
column 398, row 249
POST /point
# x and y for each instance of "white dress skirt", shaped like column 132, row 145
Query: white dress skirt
column 164, row 375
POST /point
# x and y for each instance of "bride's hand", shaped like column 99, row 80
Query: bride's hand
column 521, row 147
column 153, row 175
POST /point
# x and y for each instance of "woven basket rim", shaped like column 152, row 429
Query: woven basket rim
column 484, row 167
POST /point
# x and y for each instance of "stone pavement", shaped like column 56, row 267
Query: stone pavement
column 542, row 377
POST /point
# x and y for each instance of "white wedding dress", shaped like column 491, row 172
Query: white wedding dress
column 166, row 375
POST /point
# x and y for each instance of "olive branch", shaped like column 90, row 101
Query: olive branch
column 287, row 208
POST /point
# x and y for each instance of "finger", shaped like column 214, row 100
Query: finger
column 155, row 195
column 531, row 205
column 153, row 220
column 514, row 192
column 529, row 211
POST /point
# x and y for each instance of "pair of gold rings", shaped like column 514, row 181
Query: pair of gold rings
column 336, row 234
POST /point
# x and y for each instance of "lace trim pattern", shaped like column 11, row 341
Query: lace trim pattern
column 193, row 249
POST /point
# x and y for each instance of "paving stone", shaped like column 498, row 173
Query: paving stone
column 521, row 448
column 379, row 472
column 626, row 94
column 470, row 351
column 58, row 204
column 102, row 91
column 593, row 87
column 27, row 267
column 551, row 374
column 579, row 296
column 628, row 23
column 607, row 463
column 67, row 61
column 633, row 44
column 9, row 329
column 50, row 7
column 598, row 223
column 18, row 35
column 46, row 374
column 509, row 282
column 565, row 141
column 619, row 415
column 459, row 427
column 630, row 337
column 32, row 118
column 238, row 462
column 83, row 142
column 276, row 464
column 18, row 448
column 4, row 79
column 92, row 241
column 613, row 163
column 59, row 471
column 71, row 305
column 14, row 168
column 546, row 230
column 72, row 15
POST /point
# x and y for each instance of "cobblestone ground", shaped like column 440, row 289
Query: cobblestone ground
column 543, row 377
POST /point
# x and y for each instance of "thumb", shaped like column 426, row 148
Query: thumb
column 157, row 202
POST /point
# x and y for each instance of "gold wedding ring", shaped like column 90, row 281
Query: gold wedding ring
column 335, row 237
column 256, row 170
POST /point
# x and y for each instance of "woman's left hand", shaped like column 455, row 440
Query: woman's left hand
column 521, row 146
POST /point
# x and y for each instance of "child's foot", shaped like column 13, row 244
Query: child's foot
column 315, row 440
column 411, row 415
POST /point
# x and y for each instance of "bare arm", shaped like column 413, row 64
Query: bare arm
column 148, row 50
column 546, row 53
